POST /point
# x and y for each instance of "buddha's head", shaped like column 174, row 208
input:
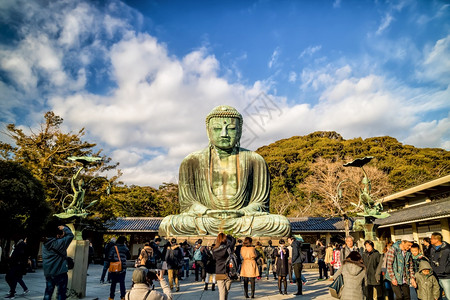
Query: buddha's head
column 224, row 127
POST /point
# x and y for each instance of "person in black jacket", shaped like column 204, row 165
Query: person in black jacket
column 426, row 246
column 282, row 268
column 297, row 262
column 237, row 251
column 106, row 251
column 373, row 261
column 174, row 261
column 440, row 261
column 119, row 277
column 210, row 268
column 223, row 246
column 320, row 251
column 54, row 261
column 18, row 263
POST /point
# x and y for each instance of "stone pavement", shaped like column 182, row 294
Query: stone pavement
column 189, row 290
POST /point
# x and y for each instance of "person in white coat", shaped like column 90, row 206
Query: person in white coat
column 143, row 286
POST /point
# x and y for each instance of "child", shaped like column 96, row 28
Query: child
column 417, row 256
column 427, row 284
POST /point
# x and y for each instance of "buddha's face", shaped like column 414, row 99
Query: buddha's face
column 224, row 133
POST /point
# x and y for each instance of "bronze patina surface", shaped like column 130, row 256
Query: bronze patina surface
column 224, row 188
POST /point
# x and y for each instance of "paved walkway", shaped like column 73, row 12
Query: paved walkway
column 189, row 290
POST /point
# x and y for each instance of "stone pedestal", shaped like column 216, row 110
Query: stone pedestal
column 209, row 240
column 79, row 251
column 370, row 234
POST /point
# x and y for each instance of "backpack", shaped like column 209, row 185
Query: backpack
column 150, row 262
column 198, row 255
column 231, row 265
column 173, row 260
column 269, row 252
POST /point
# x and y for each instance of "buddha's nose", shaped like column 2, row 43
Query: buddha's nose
column 224, row 132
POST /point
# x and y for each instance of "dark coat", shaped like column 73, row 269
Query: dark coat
column 54, row 252
column 297, row 257
column 237, row 251
column 156, row 251
column 210, row 265
column 220, row 254
column 320, row 250
column 18, row 262
column 440, row 261
column 123, row 252
column 282, row 264
column 427, row 251
column 107, row 249
column 373, row 261
column 19, row 257
column 174, row 257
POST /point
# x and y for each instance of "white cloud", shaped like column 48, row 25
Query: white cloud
column 310, row 51
column 337, row 3
column 436, row 64
column 385, row 23
column 435, row 133
column 274, row 58
column 292, row 76
column 364, row 107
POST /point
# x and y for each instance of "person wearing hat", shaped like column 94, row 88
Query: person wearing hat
column 427, row 284
column 143, row 286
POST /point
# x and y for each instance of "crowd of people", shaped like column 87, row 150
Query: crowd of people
column 403, row 270
column 226, row 260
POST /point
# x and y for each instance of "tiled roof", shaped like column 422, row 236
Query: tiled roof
column 143, row 224
column 314, row 224
column 431, row 210
column 149, row 224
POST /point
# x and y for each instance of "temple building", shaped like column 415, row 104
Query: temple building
column 417, row 212
column 141, row 229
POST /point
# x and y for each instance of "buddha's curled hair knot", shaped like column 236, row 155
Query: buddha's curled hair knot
column 224, row 111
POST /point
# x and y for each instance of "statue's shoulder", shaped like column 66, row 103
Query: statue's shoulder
column 196, row 156
column 252, row 155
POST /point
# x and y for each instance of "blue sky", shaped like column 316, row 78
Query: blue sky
column 141, row 76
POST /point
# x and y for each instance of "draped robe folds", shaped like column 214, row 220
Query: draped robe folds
column 252, row 199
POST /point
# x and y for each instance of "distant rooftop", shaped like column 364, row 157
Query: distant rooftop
column 431, row 187
column 427, row 211
column 134, row 224
column 306, row 224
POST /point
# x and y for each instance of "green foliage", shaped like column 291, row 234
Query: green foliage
column 137, row 201
column 45, row 151
column 167, row 200
column 292, row 160
column 23, row 208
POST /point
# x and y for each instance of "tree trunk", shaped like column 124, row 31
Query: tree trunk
column 347, row 226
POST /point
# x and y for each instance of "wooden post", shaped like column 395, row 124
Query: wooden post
column 415, row 233
column 327, row 238
column 445, row 230
column 392, row 233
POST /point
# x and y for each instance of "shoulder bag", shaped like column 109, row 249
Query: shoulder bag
column 115, row 266
column 336, row 287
